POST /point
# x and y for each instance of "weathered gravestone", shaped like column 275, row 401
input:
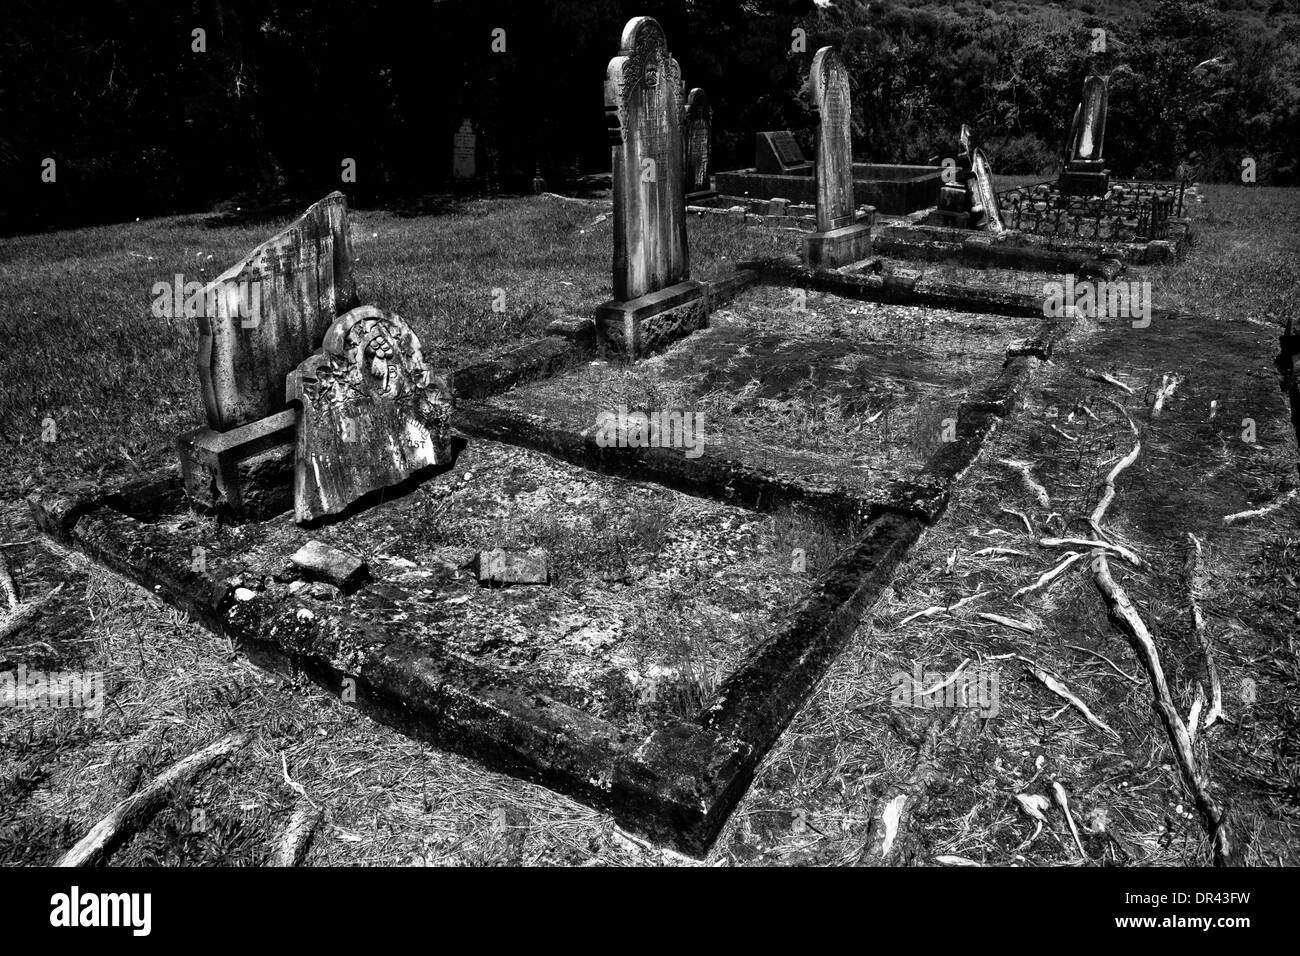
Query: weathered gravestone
column 984, row 198
column 1085, row 173
column 257, row 321
column 654, row 300
column 777, row 154
column 699, row 145
column 464, row 152
column 839, row 239
column 371, row 414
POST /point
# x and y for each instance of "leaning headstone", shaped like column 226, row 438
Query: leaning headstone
column 371, row 413
column 699, row 145
column 464, row 152
column 839, row 239
column 777, row 154
column 265, row 314
column 984, row 198
column 256, row 322
column 654, row 300
column 1085, row 173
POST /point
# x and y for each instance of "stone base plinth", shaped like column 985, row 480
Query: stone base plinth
column 1084, row 178
column 244, row 474
column 838, row 247
column 639, row 326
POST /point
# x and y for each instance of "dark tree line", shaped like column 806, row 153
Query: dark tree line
column 139, row 123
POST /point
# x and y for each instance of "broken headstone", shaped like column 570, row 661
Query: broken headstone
column 371, row 414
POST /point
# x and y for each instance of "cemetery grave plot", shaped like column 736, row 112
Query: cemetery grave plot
column 845, row 395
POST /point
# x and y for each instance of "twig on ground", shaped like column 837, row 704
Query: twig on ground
column 137, row 809
column 1006, row 622
column 1029, row 528
column 1115, row 667
column 1167, row 385
column 1108, row 379
column 1060, row 690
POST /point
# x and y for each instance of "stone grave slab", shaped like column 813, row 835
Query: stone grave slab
column 777, row 154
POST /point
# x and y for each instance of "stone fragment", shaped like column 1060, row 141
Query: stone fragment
column 499, row 567
column 372, row 415
column 322, row 562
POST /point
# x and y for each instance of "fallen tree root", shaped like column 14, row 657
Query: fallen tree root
column 296, row 839
column 136, row 810
column 1121, row 551
column 891, row 821
column 1047, row 577
column 1022, row 469
column 24, row 615
column 1260, row 512
column 1194, row 578
column 1122, row 613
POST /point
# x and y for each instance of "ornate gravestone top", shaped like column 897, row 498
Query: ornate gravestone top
column 830, row 88
column 263, row 315
column 643, row 111
column 699, row 119
column 371, row 413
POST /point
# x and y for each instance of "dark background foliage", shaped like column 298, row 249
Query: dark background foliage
column 141, row 125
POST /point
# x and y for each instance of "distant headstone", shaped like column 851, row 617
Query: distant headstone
column 699, row 122
column 464, row 151
column 777, row 154
column 643, row 113
column 264, row 315
column 371, row 413
column 838, row 239
column 1085, row 173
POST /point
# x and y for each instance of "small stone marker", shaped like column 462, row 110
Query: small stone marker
column 838, row 240
column 699, row 145
column 321, row 562
column 643, row 112
column 498, row 567
column 1085, row 173
column 371, row 413
column 292, row 286
column 464, row 151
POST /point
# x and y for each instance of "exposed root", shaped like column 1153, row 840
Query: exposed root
column 1118, row 549
column 296, row 839
column 1047, row 577
column 7, row 589
column 938, row 609
column 1125, row 617
column 1063, row 801
column 1194, row 579
column 1033, row 487
column 1260, row 512
column 1107, row 379
column 1029, row 528
column 891, row 821
column 25, row 614
column 1007, row 622
column 1115, row 667
column 1167, row 385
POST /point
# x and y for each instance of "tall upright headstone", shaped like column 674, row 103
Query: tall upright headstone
column 1085, row 173
column 699, row 146
column 653, row 297
column 839, row 239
